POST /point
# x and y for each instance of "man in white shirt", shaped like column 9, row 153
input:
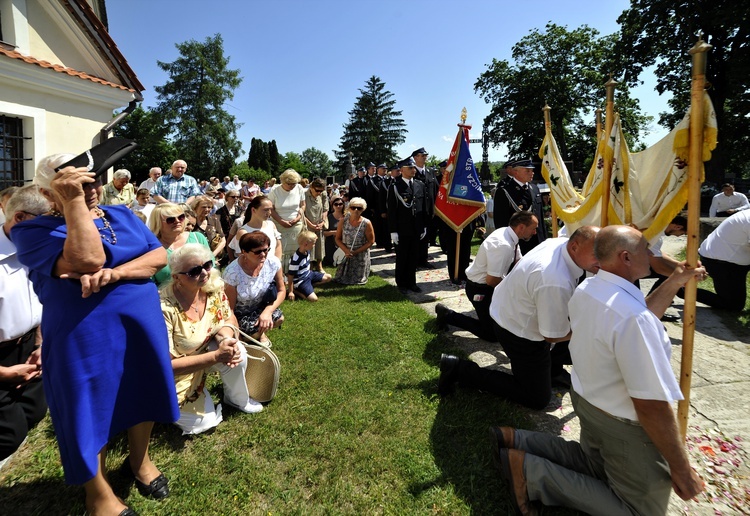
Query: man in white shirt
column 22, row 403
column 496, row 257
column 726, row 256
column 153, row 175
column 728, row 202
column 530, row 311
column 630, row 454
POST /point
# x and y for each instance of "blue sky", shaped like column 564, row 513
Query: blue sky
column 303, row 62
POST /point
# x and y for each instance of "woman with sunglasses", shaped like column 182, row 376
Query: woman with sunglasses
column 167, row 222
column 255, row 286
column 334, row 216
column 354, row 236
column 197, row 312
column 106, row 365
column 316, row 218
column 257, row 218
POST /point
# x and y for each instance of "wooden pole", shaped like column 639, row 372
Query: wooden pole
column 695, row 169
column 608, row 123
column 458, row 253
column 548, row 129
column 598, row 124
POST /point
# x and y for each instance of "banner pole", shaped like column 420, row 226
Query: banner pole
column 608, row 123
column 547, row 130
column 695, row 169
column 458, row 253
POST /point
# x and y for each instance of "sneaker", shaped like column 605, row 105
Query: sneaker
column 251, row 407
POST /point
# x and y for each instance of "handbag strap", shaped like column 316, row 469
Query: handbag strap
column 238, row 332
column 354, row 240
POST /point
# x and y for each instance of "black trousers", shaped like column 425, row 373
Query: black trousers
column 729, row 283
column 480, row 296
column 20, row 409
column 533, row 365
column 448, row 245
column 407, row 256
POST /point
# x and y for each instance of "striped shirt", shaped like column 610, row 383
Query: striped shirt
column 299, row 266
column 176, row 190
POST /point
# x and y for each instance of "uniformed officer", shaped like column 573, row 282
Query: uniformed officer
column 432, row 184
column 358, row 185
column 394, row 172
column 516, row 192
column 408, row 205
column 375, row 185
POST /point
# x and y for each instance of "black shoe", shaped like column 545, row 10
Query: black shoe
column 448, row 374
column 128, row 512
column 415, row 288
column 562, row 380
column 426, row 265
column 157, row 489
column 440, row 312
column 403, row 291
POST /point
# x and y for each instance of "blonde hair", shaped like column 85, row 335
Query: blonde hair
column 290, row 176
column 168, row 209
column 306, row 236
column 357, row 201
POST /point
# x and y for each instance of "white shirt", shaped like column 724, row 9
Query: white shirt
column 148, row 184
column 654, row 245
column 495, row 256
column 286, row 203
column 730, row 242
column 721, row 202
column 619, row 348
column 269, row 228
column 532, row 301
column 20, row 309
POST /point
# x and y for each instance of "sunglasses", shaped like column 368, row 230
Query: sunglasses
column 196, row 271
column 172, row 220
column 258, row 252
column 338, row 204
column 356, row 208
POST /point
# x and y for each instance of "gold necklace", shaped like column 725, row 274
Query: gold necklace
column 112, row 239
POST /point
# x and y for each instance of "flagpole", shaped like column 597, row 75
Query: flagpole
column 608, row 122
column 598, row 124
column 548, row 129
column 695, row 169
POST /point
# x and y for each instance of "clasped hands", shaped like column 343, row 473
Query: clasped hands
column 228, row 352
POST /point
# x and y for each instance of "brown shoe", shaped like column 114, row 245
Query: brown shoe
column 501, row 437
column 512, row 463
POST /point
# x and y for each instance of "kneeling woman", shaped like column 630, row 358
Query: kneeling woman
column 255, row 286
column 197, row 313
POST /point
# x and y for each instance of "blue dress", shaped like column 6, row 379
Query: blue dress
column 106, row 358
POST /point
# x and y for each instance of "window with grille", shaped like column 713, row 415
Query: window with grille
column 11, row 152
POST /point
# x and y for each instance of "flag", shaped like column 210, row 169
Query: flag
column 460, row 198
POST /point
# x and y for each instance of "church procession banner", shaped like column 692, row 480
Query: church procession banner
column 647, row 189
column 460, row 198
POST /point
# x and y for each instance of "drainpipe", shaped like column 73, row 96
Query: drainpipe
column 104, row 132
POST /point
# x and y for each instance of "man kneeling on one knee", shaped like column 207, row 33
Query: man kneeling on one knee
column 630, row 454
column 530, row 317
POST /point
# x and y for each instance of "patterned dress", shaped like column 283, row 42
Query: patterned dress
column 354, row 270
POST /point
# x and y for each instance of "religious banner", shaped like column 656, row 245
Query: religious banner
column 460, row 198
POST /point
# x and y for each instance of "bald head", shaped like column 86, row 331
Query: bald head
column 581, row 248
column 622, row 250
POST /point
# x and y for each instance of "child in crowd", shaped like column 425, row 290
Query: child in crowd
column 299, row 273
column 141, row 203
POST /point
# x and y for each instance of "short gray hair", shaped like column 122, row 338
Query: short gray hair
column 119, row 174
column 28, row 199
column 45, row 170
column 177, row 259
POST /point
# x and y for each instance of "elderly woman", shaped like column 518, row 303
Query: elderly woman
column 334, row 217
column 209, row 225
column 119, row 190
column 258, row 218
column 316, row 218
column 288, row 199
column 105, row 353
column 167, row 222
column 354, row 236
column 255, row 286
column 197, row 312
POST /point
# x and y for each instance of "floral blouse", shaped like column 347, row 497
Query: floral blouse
column 251, row 290
column 187, row 337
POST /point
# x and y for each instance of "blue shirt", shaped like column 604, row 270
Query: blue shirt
column 176, row 190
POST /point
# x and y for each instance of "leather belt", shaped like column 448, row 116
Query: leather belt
column 17, row 341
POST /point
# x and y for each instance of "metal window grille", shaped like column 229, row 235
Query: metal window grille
column 11, row 152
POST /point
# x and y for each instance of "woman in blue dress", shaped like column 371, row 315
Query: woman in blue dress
column 106, row 356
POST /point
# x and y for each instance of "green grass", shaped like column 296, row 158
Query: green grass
column 356, row 428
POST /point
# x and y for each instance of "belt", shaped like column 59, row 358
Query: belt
column 17, row 341
column 618, row 418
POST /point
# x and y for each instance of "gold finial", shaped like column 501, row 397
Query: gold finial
column 463, row 116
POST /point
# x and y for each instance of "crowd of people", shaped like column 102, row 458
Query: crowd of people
column 145, row 290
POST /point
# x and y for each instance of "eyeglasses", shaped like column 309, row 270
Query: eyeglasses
column 338, row 204
column 196, row 271
column 356, row 208
column 172, row 220
column 258, row 252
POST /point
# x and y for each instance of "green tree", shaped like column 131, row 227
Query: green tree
column 566, row 69
column 154, row 149
column 659, row 33
column 245, row 172
column 375, row 128
column 192, row 103
column 259, row 156
column 293, row 160
column 274, row 158
column 317, row 163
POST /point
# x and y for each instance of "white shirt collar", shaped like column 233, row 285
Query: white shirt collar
column 517, row 181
